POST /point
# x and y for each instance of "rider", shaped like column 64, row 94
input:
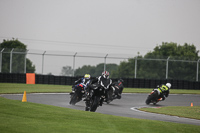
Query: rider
column 163, row 91
column 83, row 81
column 118, row 88
column 104, row 78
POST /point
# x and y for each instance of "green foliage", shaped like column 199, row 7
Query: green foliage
column 18, row 60
column 12, row 44
column 95, row 71
column 153, row 64
column 177, row 69
column 188, row 112
column 12, row 88
column 185, row 52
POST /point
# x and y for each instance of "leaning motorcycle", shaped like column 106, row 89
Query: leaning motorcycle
column 109, row 95
column 153, row 98
column 97, row 96
column 77, row 95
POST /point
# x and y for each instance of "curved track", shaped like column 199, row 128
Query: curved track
column 126, row 106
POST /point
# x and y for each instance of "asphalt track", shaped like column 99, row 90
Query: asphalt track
column 126, row 106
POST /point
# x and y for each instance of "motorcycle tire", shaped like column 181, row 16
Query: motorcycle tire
column 109, row 97
column 150, row 98
column 74, row 99
column 94, row 103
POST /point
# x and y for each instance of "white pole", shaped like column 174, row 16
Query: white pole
column 11, row 60
column 167, row 68
column 1, row 59
column 43, row 61
column 74, row 63
column 25, row 61
column 136, row 67
column 197, row 70
column 105, row 62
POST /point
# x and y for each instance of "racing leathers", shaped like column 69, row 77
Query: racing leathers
column 163, row 92
column 83, row 81
column 105, row 82
column 118, row 88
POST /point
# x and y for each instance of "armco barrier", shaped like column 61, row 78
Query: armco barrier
column 128, row 82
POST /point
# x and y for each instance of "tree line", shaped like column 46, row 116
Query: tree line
column 18, row 60
column 181, row 61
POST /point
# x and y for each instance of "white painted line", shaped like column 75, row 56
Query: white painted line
column 137, row 109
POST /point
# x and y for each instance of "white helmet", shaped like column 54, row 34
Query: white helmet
column 168, row 85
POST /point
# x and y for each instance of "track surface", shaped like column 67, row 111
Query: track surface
column 126, row 106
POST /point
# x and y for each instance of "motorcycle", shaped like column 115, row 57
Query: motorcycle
column 153, row 98
column 97, row 96
column 77, row 95
column 113, row 93
column 109, row 95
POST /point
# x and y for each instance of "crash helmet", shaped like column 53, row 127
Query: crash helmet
column 87, row 76
column 168, row 85
column 121, row 80
column 105, row 74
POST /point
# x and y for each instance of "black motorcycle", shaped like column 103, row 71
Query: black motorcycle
column 153, row 97
column 77, row 95
column 113, row 93
column 98, row 93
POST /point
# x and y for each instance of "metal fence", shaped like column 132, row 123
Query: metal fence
column 52, row 62
column 128, row 82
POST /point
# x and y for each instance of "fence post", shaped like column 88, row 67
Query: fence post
column 43, row 61
column 105, row 62
column 136, row 67
column 1, row 59
column 167, row 67
column 25, row 61
column 11, row 60
column 197, row 70
column 74, row 63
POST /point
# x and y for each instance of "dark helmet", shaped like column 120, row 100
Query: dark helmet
column 121, row 80
column 105, row 74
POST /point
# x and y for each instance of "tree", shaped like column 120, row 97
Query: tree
column 153, row 64
column 18, row 59
column 86, row 69
column 178, row 67
column 125, row 69
column 95, row 71
column 67, row 71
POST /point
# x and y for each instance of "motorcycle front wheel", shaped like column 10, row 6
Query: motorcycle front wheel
column 94, row 103
column 74, row 99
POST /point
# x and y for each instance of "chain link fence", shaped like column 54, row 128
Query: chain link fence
column 53, row 62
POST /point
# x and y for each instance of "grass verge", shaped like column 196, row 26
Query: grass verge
column 187, row 112
column 40, row 88
column 23, row 117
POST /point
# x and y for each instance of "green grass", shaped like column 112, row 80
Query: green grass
column 26, row 117
column 188, row 112
column 6, row 88
column 16, row 116
column 30, row 88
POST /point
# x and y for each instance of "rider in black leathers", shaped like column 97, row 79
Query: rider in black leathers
column 102, row 80
column 118, row 88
